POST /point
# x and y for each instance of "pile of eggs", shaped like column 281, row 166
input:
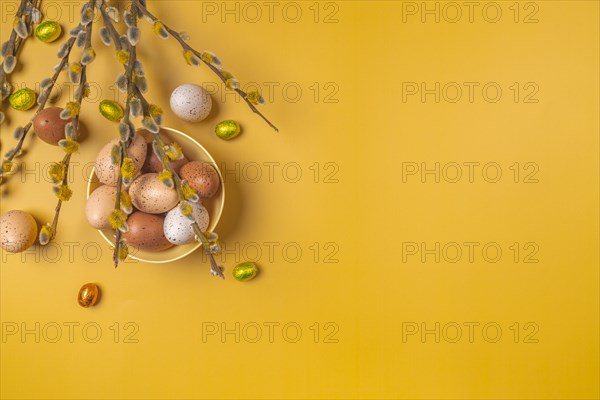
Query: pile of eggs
column 156, row 222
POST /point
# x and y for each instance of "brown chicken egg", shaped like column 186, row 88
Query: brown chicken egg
column 202, row 177
column 107, row 172
column 150, row 195
column 146, row 232
column 49, row 127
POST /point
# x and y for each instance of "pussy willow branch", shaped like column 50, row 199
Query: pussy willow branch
column 46, row 94
column 206, row 245
column 123, row 144
column 114, row 34
column 79, row 100
column 15, row 42
column 141, row 7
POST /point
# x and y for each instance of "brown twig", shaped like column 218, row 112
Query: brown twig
column 45, row 95
column 16, row 42
column 123, row 143
column 79, row 100
column 214, row 69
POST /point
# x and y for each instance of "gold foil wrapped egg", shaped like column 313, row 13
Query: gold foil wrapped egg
column 22, row 99
column 227, row 130
column 48, row 31
column 88, row 295
column 111, row 110
column 245, row 271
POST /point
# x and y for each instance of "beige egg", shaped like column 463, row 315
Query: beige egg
column 18, row 231
column 146, row 232
column 150, row 195
column 99, row 206
column 107, row 172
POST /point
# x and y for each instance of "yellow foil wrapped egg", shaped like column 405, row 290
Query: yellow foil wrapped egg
column 227, row 130
column 48, row 31
column 88, row 295
column 22, row 99
column 111, row 110
column 245, row 271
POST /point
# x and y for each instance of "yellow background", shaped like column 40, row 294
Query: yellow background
column 367, row 215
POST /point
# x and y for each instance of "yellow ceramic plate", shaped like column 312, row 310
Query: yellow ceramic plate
column 194, row 152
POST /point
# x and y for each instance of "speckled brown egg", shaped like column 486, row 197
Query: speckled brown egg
column 153, row 164
column 146, row 232
column 18, row 231
column 107, row 172
column 202, row 177
column 99, row 206
column 150, row 195
column 48, row 125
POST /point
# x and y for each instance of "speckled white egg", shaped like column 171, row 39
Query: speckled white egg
column 191, row 102
column 18, row 231
column 178, row 227
column 150, row 195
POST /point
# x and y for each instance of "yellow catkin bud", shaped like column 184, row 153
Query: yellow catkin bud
column 123, row 252
column 126, row 204
column 117, row 219
column 69, row 145
column 154, row 110
column 190, row 57
column 57, row 172
column 160, row 30
column 73, row 107
column 75, row 67
column 254, row 97
column 122, row 57
column 174, row 151
column 186, row 208
column 127, row 168
column 187, row 190
column 7, row 167
column 63, row 192
column 165, row 175
column 46, row 234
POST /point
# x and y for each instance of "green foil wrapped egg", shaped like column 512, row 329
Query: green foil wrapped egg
column 245, row 271
column 227, row 130
column 22, row 99
column 111, row 110
column 48, row 31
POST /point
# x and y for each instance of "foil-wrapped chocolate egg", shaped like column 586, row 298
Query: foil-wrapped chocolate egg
column 22, row 99
column 48, row 31
column 88, row 295
column 111, row 110
column 245, row 271
column 227, row 130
